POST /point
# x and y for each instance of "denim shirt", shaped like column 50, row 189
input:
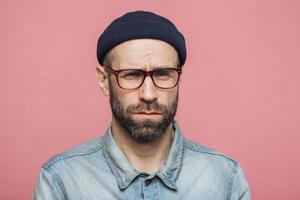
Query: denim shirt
column 99, row 170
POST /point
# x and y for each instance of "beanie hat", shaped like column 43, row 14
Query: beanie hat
column 139, row 25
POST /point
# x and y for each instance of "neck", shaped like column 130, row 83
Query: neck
column 145, row 157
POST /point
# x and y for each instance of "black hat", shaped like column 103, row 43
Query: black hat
column 139, row 25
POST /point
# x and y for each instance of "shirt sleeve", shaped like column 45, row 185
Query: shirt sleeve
column 239, row 189
column 47, row 187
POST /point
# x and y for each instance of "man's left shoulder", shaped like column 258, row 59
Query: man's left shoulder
column 218, row 172
column 196, row 151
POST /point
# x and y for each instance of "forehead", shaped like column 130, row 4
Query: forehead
column 143, row 54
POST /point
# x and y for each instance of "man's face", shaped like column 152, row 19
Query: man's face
column 145, row 113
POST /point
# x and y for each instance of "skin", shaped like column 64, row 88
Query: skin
column 145, row 54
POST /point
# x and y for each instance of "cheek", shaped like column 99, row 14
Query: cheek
column 127, row 98
column 167, row 97
column 124, row 97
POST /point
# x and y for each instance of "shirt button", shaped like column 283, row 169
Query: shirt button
column 148, row 182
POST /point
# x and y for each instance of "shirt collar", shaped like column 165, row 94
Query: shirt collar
column 125, row 173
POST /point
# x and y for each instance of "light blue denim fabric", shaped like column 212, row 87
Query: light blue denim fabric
column 99, row 170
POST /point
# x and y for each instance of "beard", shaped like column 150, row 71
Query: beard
column 143, row 130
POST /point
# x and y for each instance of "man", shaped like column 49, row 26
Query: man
column 143, row 154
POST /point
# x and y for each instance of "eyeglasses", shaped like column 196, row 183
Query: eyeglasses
column 130, row 79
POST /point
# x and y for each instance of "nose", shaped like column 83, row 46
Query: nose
column 147, row 92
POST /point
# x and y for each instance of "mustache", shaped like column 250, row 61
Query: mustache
column 153, row 107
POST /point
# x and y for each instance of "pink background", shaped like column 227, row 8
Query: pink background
column 239, row 93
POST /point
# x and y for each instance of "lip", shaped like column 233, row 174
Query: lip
column 148, row 113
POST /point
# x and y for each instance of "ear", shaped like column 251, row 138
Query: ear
column 103, row 81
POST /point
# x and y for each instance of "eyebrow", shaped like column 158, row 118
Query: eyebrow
column 163, row 67
column 153, row 68
column 160, row 67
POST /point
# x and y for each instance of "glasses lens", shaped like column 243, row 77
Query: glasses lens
column 130, row 79
column 165, row 78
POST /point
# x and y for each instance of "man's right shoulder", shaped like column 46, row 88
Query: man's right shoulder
column 80, row 151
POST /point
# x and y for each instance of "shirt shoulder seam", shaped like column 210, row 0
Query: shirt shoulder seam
column 205, row 150
column 70, row 154
column 58, row 182
column 230, row 185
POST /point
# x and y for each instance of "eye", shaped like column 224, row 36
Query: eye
column 131, row 74
column 162, row 72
